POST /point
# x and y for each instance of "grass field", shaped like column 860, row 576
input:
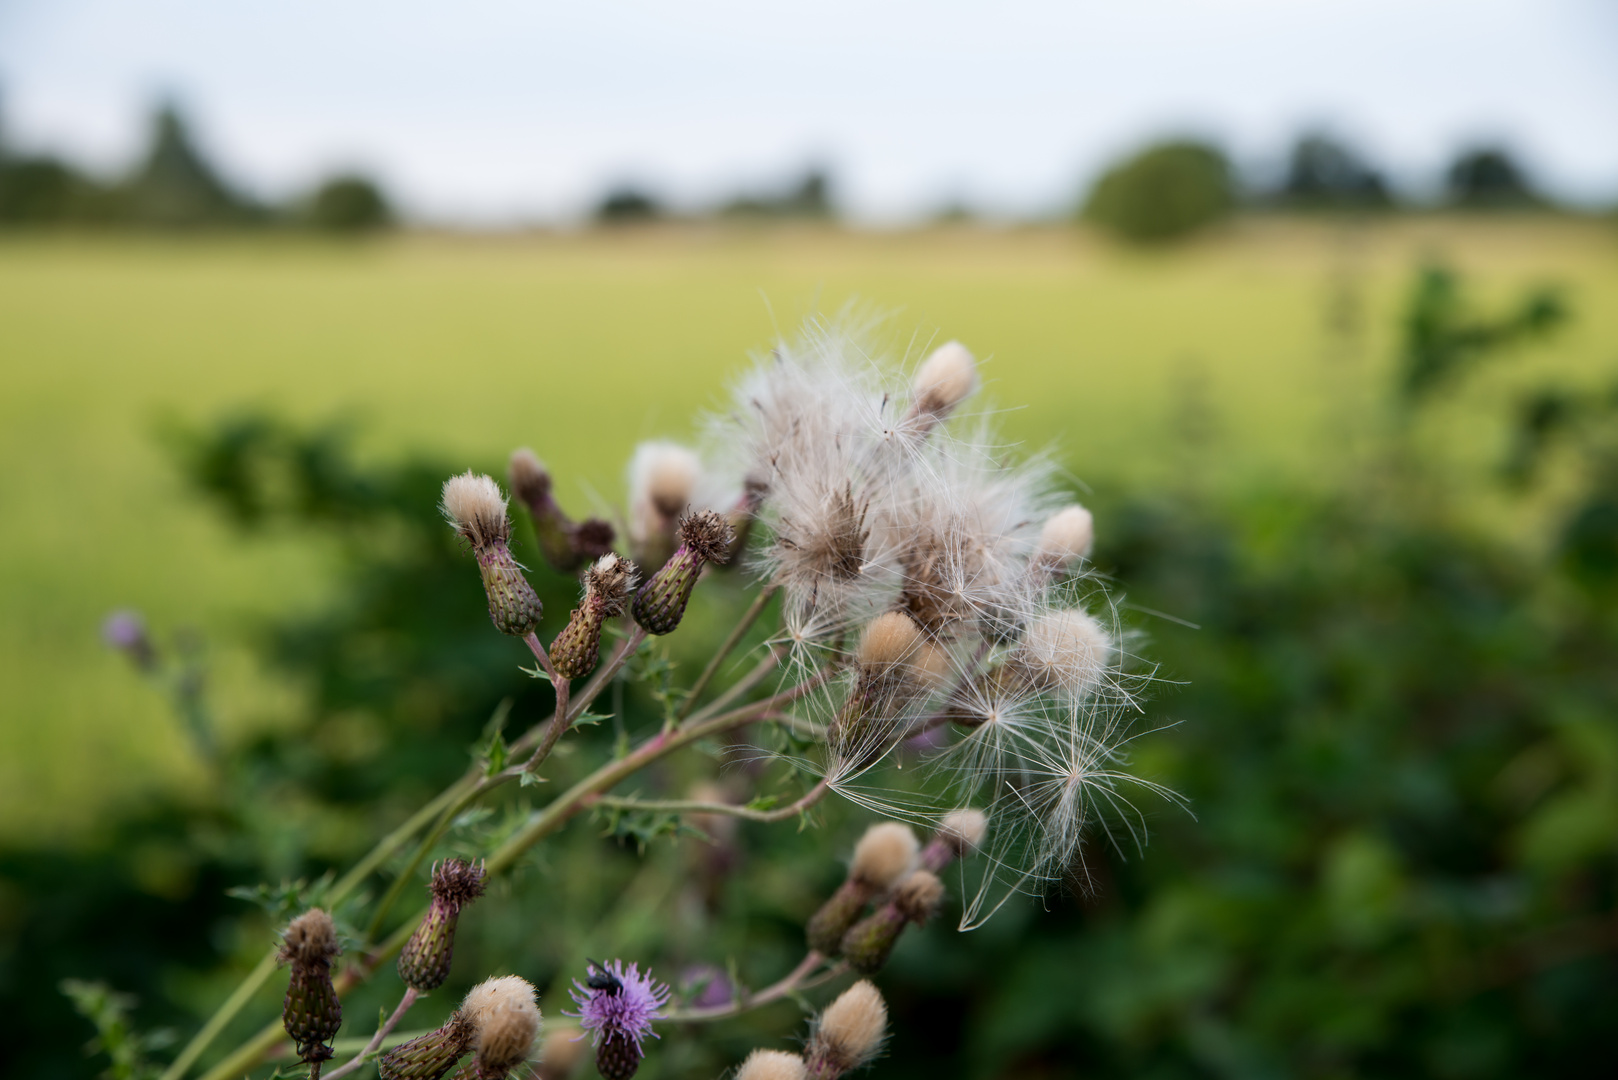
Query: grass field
column 581, row 345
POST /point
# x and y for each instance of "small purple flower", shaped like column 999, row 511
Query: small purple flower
column 711, row 984
column 126, row 632
column 617, row 1006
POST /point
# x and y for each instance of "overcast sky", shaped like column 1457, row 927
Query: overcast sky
column 498, row 110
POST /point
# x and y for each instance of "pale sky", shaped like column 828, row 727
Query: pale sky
column 501, row 110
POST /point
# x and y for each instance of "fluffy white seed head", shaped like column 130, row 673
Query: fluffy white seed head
column 772, row 1065
column 964, row 830
column 945, row 379
column 474, row 505
column 505, row 1020
column 852, row 1027
column 891, row 639
column 918, row 895
column 884, row 854
column 563, row 1047
column 1065, row 650
column 1068, row 535
column 664, row 474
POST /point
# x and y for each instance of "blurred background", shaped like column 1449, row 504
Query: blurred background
column 1317, row 303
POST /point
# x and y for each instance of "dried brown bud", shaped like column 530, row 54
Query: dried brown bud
column 607, row 585
column 311, row 1012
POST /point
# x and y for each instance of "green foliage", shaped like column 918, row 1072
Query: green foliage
column 1490, row 178
column 1326, row 174
column 1443, row 339
column 115, row 1037
column 350, row 204
column 1163, row 193
column 1398, row 738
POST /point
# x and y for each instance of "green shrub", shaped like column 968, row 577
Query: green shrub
column 1163, row 193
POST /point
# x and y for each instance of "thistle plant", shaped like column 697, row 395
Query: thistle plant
column 943, row 658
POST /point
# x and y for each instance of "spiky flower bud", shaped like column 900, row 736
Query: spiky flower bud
column 425, row 959
column 564, row 544
column 618, row 1006
column 886, row 853
column 663, row 479
column 429, row 1056
column 474, row 505
column 705, row 537
column 959, row 835
column 848, row 1034
column 870, row 942
column 311, row 1013
column 772, row 1065
column 505, row 1019
column 943, row 381
column 1066, row 539
column 607, row 587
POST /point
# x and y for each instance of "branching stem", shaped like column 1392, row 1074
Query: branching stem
column 802, row 977
column 749, row 617
column 375, row 1044
column 690, row 806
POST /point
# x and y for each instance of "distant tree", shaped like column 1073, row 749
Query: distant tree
column 1324, row 173
column 1490, row 178
column 628, row 204
column 810, row 198
column 1163, row 193
column 350, row 203
column 45, row 191
column 176, row 187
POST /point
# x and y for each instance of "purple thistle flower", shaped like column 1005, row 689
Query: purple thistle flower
column 617, row 1006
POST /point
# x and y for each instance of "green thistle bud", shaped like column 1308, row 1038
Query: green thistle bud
column 870, row 942
column 425, row 959
column 311, row 1013
column 429, row 1056
column 476, row 508
column 705, row 537
column 607, row 585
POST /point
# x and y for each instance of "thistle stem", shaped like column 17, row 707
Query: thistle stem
column 375, row 1044
column 482, row 786
column 744, row 684
column 749, row 617
column 689, row 806
column 345, row 885
column 798, row 979
column 543, row 824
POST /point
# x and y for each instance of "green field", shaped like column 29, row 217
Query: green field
column 582, row 345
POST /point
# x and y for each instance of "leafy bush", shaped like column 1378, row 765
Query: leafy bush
column 1163, row 193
